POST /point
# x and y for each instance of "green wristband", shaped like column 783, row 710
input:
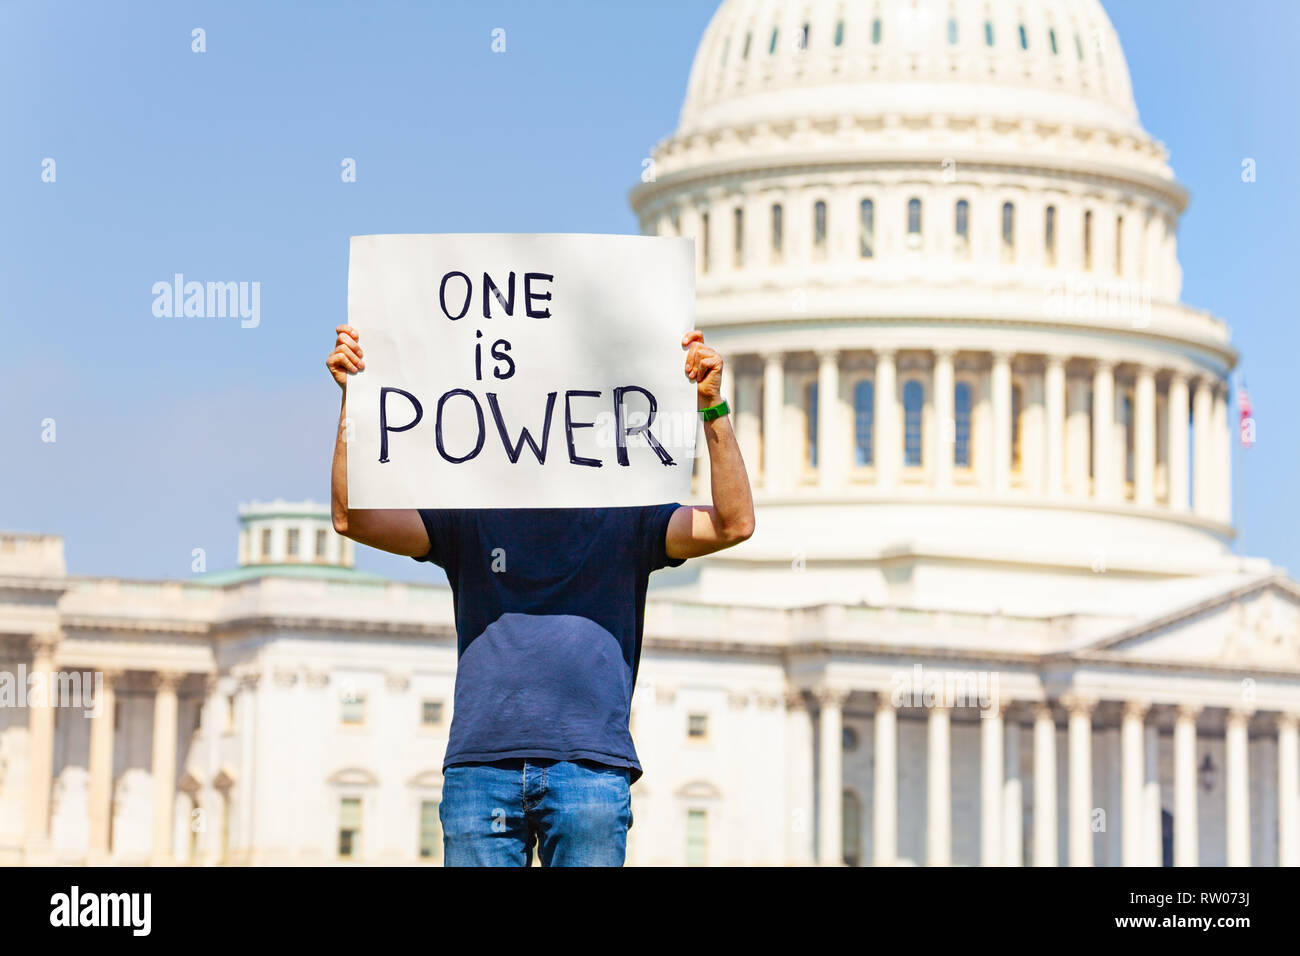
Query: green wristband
column 716, row 411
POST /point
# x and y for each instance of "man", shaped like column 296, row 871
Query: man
column 549, row 605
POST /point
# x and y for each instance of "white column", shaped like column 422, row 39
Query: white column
column 1132, row 778
column 885, row 798
column 1103, row 430
column 1179, row 495
column 40, row 749
column 1144, row 438
column 992, row 768
column 888, row 452
column 1238, row 787
column 100, row 785
column 830, row 803
column 1054, row 427
column 945, row 422
column 1079, row 842
column 1013, row 801
column 938, row 779
column 1045, row 820
column 1001, row 388
column 1186, row 829
column 1288, row 790
column 163, row 768
column 1222, row 444
column 799, row 737
column 1152, row 843
column 831, row 436
column 1202, row 450
column 773, row 415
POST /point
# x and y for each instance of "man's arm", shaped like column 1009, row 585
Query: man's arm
column 696, row 530
column 400, row 531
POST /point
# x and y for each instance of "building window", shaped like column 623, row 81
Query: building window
column 322, row 544
column 810, row 433
column 839, row 33
column 1087, row 240
column 266, row 544
column 726, row 48
column 349, row 827
column 697, row 838
column 803, row 37
column 851, row 828
column 291, row 543
column 771, row 47
column 430, row 830
column 1119, row 245
column 819, row 230
column 1024, row 38
column 867, row 229
column 863, row 413
column 1017, row 415
column 1078, row 45
column 738, row 238
column 704, row 242
column 849, row 739
column 952, row 30
column 914, row 222
column 1008, row 232
column 1126, row 410
column 875, row 31
column 697, row 726
column 988, row 32
column 962, row 404
column 744, row 51
column 431, row 713
column 778, row 234
column 962, row 227
column 913, row 407
column 1049, row 235
column 354, row 710
column 1051, row 36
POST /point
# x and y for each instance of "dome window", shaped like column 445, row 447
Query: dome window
column 803, row 37
column 738, row 238
column 1049, row 236
column 1024, row 38
column 810, row 417
column 864, row 396
column 726, row 48
column 1008, row 232
column 875, row 32
column 1078, row 45
column 913, row 409
column 771, row 47
column 952, row 31
column 1087, row 240
column 778, row 233
column 819, row 230
column 914, row 222
column 988, row 32
column 839, row 33
column 1017, row 416
column 704, row 242
column 1051, row 36
column 961, row 406
column 1119, row 245
column 963, row 227
column 867, row 229
column 744, row 51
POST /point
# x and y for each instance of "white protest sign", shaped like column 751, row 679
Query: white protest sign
column 520, row 371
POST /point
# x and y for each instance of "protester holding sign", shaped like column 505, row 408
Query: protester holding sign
column 549, row 607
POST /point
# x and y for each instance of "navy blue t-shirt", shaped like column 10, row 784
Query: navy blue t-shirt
column 550, row 604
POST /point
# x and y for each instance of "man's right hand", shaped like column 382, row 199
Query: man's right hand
column 346, row 359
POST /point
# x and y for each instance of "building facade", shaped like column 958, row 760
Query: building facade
column 990, row 614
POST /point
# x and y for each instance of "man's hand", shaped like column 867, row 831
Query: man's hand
column 346, row 359
column 704, row 368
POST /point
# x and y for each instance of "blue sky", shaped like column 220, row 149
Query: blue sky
column 226, row 165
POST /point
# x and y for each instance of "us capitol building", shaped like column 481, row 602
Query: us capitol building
column 990, row 614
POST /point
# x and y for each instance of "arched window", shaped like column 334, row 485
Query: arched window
column 1087, row 240
column 778, row 233
column 1119, row 245
column 704, row 242
column 988, row 32
column 952, row 30
column 1008, row 232
column 819, row 230
column 962, row 402
column 875, row 31
column 867, row 229
column 1017, row 415
column 851, row 828
column 1024, row 38
column 913, row 409
column 738, row 237
column 962, row 227
column 1049, row 236
column 914, row 222
column 863, row 419
column 810, row 432
column 839, row 33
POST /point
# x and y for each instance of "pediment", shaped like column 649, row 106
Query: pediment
column 353, row 776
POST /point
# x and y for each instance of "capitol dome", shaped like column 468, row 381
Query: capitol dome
column 939, row 253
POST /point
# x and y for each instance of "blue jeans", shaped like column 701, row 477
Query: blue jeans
column 577, row 813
